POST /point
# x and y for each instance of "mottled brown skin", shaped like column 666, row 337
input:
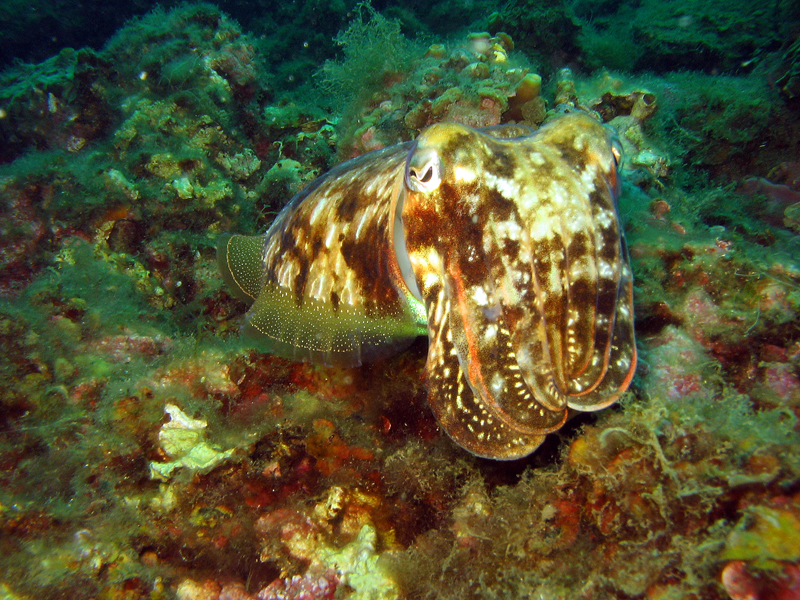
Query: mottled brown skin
column 506, row 251
column 525, row 280
column 325, row 287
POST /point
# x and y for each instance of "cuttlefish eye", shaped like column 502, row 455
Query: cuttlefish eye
column 424, row 171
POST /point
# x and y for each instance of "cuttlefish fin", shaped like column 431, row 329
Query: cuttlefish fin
column 316, row 331
column 310, row 330
column 240, row 262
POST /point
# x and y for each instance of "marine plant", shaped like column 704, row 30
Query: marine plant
column 374, row 51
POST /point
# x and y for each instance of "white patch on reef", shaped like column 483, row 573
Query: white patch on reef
column 182, row 439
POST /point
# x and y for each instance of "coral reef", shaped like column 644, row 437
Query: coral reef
column 121, row 359
column 111, row 152
column 656, row 37
column 479, row 83
column 789, row 71
column 547, row 31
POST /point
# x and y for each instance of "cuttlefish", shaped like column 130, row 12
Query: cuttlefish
column 502, row 245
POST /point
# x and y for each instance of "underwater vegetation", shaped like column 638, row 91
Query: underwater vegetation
column 148, row 450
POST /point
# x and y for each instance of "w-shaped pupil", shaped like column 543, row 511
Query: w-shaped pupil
column 427, row 177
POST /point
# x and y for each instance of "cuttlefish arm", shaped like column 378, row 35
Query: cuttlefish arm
column 519, row 258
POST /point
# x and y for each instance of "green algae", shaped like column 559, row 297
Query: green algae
column 56, row 72
column 373, row 49
column 659, row 37
column 713, row 119
column 531, row 525
column 104, row 294
column 540, row 29
column 765, row 536
column 610, row 47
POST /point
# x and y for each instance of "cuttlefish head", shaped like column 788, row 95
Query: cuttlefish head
column 511, row 240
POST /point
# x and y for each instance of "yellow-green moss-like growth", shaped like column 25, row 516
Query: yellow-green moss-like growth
column 374, row 49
